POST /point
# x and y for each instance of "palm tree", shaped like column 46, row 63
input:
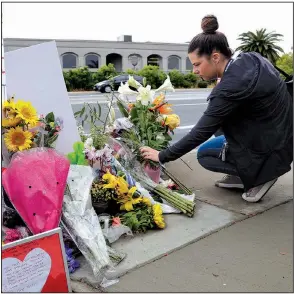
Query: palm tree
column 261, row 42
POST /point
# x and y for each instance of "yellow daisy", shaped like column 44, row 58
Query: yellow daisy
column 10, row 122
column 27, row 112
column 17, row 140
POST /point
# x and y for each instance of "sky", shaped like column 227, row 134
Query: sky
column 154, row 22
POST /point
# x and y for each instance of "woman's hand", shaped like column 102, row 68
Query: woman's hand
column 149, row 153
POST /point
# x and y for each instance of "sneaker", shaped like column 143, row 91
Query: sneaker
column 229, row 181
column 256, row 193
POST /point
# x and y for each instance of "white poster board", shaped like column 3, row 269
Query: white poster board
column 34, row 74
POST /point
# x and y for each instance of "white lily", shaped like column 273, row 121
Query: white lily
column 145, row 95
column 124, row 89
column 166, row 86
column 133, row 83
column 89, row 143
column 111, row 115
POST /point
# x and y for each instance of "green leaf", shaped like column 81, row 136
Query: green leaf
column 77, row 113
column 82, row 111
column 99, row 110
column 50, row 117
column 122, row 110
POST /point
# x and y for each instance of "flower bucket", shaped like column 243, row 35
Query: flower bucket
column 100, row 207
column 153, row 173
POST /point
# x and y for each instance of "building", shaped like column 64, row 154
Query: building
column 123, row 53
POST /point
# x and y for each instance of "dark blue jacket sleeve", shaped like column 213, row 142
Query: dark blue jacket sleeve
column 218, row 109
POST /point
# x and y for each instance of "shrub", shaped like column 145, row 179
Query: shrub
column 131, row 72
column 105, row 72
column 202, row 84
column 191, row 80
column 78, row 79
column 154, row 76
column 176, row 78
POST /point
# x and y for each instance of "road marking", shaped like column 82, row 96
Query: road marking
column 185, row 127
column 82, row 101
column 189, row 104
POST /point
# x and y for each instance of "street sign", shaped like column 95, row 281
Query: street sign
column 36, row 264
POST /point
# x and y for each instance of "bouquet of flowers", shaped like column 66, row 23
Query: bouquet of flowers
column 24, row 129
column 150, row 115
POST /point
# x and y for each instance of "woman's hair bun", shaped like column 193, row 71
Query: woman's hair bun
column 209, row 24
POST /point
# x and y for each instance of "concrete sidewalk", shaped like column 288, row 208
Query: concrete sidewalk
column 203, row 253
column 255, row 255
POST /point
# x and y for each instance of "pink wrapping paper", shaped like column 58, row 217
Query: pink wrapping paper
column 35, row 181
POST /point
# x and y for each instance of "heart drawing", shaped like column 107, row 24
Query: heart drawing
column 29, row 275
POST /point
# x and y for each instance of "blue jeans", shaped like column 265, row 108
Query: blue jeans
column 209, row 157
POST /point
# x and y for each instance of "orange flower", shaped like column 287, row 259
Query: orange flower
column 158, row 100
column 165, row 109
column 130, row 106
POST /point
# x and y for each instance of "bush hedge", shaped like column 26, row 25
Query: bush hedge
column 84, row 79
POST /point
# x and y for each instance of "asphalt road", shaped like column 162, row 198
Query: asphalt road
column 188, row 104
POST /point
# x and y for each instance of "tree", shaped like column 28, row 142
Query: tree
column 261, row 42
column 285, row 62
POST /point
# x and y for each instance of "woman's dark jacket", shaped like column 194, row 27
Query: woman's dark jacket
column 255, row 111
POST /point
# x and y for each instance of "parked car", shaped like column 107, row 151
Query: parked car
column 106, row 86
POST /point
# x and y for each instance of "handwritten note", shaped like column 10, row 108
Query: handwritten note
column 29, row 275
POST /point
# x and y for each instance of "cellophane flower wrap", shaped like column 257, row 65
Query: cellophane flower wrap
column 35, row 181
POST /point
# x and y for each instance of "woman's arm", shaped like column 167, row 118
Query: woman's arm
column 216, row 112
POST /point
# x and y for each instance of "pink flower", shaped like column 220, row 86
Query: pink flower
column 57, row 128
column 91, row 153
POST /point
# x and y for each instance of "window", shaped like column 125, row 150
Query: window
column 174, row 62
column 189, row 65
column 92, row 61
column 69, row 60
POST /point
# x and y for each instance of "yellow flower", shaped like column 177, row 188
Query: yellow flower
column 27, row 112
column 9, row 104
column 110, row 179
column 16, row 139
column 125, row 197
column 146, row 201
column 122, row 186
column 159, row 221
column 10, row 122
column 157, row 216
column 51, row 124
column 128, row 205
column 9, row 108
column 172, row 121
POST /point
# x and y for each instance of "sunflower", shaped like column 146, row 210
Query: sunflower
column 10, row 122
column 27, row 112
column 9, row 108
column 157, row 216
column 17, row 140
column 9, row 104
